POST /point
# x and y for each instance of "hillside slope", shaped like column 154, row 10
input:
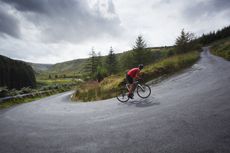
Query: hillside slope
column 221, row 48
column 37, row 67
column 75, row 67
column 68, row 67
column 16, row 74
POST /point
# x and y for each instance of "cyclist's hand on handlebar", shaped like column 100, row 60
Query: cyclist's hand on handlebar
column 140, row 79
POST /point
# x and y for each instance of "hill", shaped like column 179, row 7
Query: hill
column 37, row 67
column 76, row 67
column 16, row 74
column 68, row 67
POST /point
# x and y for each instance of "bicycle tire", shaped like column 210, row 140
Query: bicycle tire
column 122, row 95
column 146, row 89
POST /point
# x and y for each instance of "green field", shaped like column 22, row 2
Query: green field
column 56, row 81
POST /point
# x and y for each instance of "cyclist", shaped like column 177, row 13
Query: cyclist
column 130, row 76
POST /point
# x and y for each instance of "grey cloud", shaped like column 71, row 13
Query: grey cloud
column 20, row 49
column 166, row 1
column 111, row 8
column 206, row 8
column 72, row 20
column 8, row 24
column 29, row 5
column 219, row 5
column 160, row 3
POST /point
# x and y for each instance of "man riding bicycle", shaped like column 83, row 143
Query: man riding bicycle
column 130, row 76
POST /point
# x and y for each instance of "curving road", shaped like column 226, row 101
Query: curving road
column 187, row 113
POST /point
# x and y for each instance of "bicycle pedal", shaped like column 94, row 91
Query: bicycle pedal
column 131, row 96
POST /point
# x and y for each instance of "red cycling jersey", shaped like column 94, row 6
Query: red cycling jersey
column 133, row 72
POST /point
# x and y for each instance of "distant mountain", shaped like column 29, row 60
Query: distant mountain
column 40, row 67
column 68, row 67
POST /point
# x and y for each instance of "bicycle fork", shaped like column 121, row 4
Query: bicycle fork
column 142, row 88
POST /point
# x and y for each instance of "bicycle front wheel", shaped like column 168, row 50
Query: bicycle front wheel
column 143, row 91
column 122, row 95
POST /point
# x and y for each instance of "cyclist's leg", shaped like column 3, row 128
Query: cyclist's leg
column 129, row 81
column 130, row 86
column 133, row 87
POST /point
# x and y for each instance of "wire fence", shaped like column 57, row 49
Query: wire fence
column 28, row 95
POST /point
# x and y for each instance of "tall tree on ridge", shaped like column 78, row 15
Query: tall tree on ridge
column 111, row 62
column 138, row 50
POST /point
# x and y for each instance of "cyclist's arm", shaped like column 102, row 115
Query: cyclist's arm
column 138, row 75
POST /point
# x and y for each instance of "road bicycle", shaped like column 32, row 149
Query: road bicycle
column 143, row 91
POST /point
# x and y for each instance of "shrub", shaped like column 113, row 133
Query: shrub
column 3, row 91
column 13, row 92
column 25, row 90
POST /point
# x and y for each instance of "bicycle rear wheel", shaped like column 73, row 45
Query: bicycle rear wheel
column 122, row 95
column 143, row 91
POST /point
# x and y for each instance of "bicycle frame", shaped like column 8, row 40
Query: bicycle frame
column 137, row 83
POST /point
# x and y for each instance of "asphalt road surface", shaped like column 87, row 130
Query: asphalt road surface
column 186, row 113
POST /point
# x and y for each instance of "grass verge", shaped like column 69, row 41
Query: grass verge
column 33, row 97
column 10, row 103
column 92, row 91
column 221, row 48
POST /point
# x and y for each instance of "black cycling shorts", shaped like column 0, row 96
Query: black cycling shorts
column 129, row 79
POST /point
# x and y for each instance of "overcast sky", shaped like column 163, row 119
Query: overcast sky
column 51, row 31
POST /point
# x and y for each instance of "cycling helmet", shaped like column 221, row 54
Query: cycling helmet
column 141, row 66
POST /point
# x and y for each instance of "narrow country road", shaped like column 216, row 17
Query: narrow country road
column 186, row 113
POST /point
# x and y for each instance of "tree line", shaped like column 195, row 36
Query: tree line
column 98, row 67
column 187, row 41
column 215, row 35
column 16, row 74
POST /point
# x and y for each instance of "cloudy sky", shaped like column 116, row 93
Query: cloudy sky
column 51, row 31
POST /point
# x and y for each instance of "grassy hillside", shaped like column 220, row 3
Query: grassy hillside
column 75, row 68
column 69, row 69
column 38, row 68
column 107, row 88
column 221, row 48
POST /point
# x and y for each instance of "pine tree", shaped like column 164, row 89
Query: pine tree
column 139, row 51
column 90, row 67
column 100, row 71
column 111, row 62
column 93, row 60
column 183, row 42
column 99, row 59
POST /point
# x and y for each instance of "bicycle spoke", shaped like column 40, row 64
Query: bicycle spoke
column 143, row 91
column 122, row 95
